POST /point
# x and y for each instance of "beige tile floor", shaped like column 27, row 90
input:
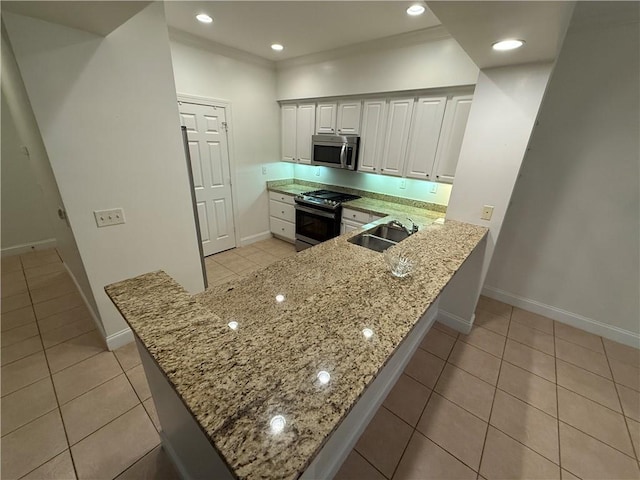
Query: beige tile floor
column 69, row 408
column 238, row 262
column 521, row 396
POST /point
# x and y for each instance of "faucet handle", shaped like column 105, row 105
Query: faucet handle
column 414, row 227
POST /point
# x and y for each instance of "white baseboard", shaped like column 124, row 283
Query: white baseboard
column 92, row 312
column 596, row 327
column 454, row 321
column 255, row 238
column 120, row 339
column 29, row 247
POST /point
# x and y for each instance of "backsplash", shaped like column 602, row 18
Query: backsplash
column 381, row 184
column 365, row 193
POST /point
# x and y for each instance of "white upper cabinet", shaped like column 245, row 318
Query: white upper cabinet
column 397, row 135
column 349, row 118
column 326, row 118
column 288, row 116
column 453, row 127
column 298, row 125
column 305, row 126
column 372, row 138
column 425, row 132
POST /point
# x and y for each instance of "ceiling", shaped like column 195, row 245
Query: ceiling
column 100, row 17
column 306, row 27
column 303, row 27
column 478, row 25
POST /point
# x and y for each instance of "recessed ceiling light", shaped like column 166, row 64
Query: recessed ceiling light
column 204, row 18
column 415, row 9
column 509, row 44
column 277, row 47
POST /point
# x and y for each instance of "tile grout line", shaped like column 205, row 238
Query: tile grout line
column 624, row 417
column 555, row 369
column 55, row 393
column 432, row 391
column 493, row 400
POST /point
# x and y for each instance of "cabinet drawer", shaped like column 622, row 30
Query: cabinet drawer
column 282, row 228
column 355, row 216
column 281, row 197
column 283, row 211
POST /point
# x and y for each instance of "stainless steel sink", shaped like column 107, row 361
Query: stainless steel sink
column 372, row 242
column 380, row 237
column 389, row 232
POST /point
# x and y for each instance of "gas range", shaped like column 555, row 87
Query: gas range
column 325, row 199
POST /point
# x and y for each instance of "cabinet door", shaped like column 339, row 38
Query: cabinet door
column 288, row 117
column 349, row 118
column 425, row 132
column 326, row 118
column 372, row 138
column 304, row 132
column 397, row 136
column 453, row 127
column 350, row 227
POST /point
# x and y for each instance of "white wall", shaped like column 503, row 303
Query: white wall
column 209, row 70
column 18, row 110
column 505, row 105
column 570, row 244
column 24, row 220
column 420, row 60
column 371, row 182
column 108, row 114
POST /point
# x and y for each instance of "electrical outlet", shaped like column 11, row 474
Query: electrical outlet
column 264, row 169
column 317, row 171
column 403, row 183
column 107, row 218
column 487, row 211
column 434, row 188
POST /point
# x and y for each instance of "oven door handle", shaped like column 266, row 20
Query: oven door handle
column 343, row 155
column 313, row 211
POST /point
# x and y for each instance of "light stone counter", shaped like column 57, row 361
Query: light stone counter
column 377, row 204
column 235, row 381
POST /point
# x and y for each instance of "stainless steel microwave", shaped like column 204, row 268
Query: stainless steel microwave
column 335, row 151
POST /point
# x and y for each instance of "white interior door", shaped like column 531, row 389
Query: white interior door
column 208, row 148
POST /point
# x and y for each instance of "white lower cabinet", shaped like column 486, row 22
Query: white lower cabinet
column 354, row 219
column 282, row 216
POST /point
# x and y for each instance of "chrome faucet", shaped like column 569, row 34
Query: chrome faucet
column 398, row 223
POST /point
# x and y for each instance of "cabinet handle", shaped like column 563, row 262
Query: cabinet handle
column 283, row 211
column 354, row 215
column 283, row 229
column 437, row 176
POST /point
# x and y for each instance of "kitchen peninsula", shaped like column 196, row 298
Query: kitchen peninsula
column 269, row 369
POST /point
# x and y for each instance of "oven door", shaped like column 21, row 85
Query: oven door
column 314, row 225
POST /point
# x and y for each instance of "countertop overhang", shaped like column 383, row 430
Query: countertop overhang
column 234, row 381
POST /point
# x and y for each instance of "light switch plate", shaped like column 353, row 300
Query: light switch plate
column 487, row 211
column 434, row 188
column 403, row 183
column 107, row 218
column 264, row 169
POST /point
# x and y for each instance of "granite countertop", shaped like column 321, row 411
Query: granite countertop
column 370, row 202
column 234, row 381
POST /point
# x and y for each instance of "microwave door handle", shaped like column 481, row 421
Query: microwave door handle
column 343, row 155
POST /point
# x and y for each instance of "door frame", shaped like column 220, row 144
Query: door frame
column 214, row 102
